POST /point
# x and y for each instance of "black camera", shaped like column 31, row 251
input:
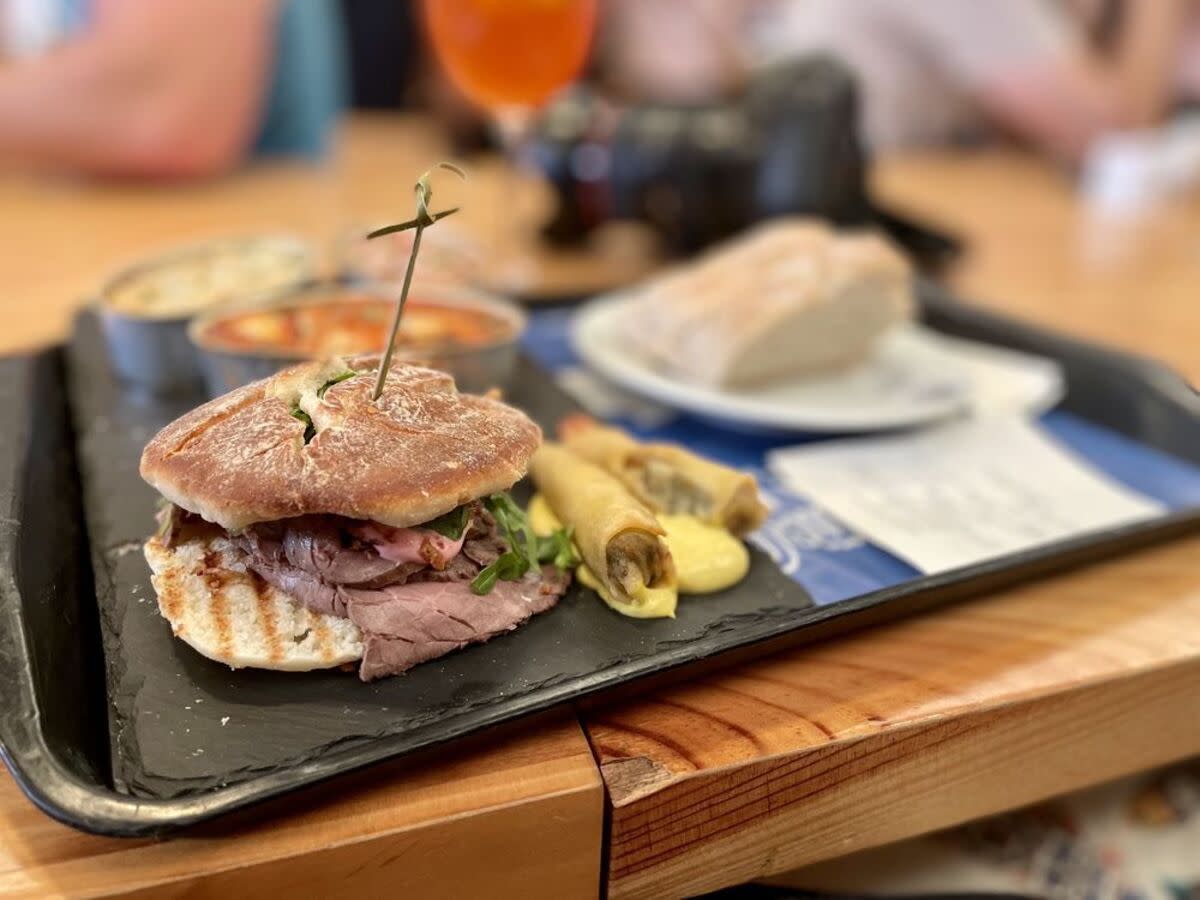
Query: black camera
column 787, row 144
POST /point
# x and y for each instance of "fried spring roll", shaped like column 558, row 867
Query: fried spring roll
column 668, row 478
column 620, row 540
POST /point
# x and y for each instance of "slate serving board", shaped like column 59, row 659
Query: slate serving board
column 182, row 724
column 188, row 739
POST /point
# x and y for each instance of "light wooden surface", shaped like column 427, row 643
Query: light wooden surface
column 518, row 817
column 1038, row 252
column 60, row 238
column 902, row 730
column 967, row 711
column 794, row 759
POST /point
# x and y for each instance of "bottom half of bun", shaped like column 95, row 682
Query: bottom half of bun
column 229, row 614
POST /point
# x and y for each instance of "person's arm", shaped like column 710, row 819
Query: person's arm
column 1065, row 100
column 166, row 88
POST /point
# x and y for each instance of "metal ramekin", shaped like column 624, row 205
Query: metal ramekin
column 475, row 369
column 153, row 352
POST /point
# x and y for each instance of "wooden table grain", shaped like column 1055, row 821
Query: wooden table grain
column 60, row 238
column 971, row 710
column 1037, row 251
column 797, row 758
column 514, row 817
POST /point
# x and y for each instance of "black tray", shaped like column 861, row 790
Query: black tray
column 112, row 726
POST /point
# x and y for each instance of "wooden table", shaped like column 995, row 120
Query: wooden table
column 518, row 817
column 798, row 758
column 1038, row 252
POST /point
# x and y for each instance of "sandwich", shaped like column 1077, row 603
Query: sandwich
column 307, row 526
column 790, row 298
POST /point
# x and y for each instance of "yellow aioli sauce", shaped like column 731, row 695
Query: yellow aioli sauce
column 707, row 558
column 652, row 603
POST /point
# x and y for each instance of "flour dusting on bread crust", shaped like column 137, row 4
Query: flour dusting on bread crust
column 418, row 452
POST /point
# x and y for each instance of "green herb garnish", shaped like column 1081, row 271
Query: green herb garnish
column 310, row 430
column 336, row 379
column 510, row 566
column 527, row 550
column 423, row 220
column 451, row 524
column 515, row 524
column 559, row 549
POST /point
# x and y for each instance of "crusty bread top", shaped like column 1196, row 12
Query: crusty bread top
column 418, row 452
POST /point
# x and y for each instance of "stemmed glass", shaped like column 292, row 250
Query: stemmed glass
column 511, row 56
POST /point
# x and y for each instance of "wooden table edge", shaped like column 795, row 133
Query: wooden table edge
column 1143, row 706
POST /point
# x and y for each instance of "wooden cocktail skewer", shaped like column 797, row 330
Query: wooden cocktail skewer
column 422, row 221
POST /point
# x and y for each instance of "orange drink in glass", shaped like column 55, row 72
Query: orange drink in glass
column 511, row 54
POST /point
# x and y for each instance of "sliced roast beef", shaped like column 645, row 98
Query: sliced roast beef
column 406, row 545
column 484, row 550
column 459, row 568
column 408, row 612
column 323, row 547
column 319, row 596
column 322, row 596
column 319, row 560
column 320, row 546
column 483, row 544
column 263, row 542
column 411, row 623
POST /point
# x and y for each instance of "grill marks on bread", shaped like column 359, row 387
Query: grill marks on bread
column 322, row 638
column 227, row 613
column 219, row 610
column 266, row 618
column 212, row 594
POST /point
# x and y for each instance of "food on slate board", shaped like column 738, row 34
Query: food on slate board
column 308, row 526
column 791, row 297
column 349, row 322
column 702, row 506
column 667, row 477
column 618, row 538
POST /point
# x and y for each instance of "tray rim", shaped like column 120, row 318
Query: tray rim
column 65, row 796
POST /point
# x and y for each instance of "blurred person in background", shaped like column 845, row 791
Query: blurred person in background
column 1056, row 74
column 166, row 88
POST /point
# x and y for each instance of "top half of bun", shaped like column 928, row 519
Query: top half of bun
column 419, row 451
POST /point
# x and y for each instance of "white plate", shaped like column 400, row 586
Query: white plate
column 914, row 376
